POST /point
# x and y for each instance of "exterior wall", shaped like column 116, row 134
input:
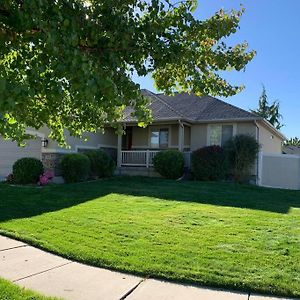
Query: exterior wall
column 198, row 136
column 174, row 136
column 280, row 170
column 246, row 128
column 93, row 141
column 140, row 137
column 270, row 142
column 187, row 136
column 10, row 152
column 52, row 154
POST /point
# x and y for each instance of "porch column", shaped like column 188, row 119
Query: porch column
column 180, row 137
column 119, row 155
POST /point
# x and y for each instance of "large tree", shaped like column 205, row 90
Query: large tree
column 69, row 63
column 270, row 112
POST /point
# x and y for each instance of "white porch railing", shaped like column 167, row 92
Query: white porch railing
column 144, row 158
column 138, row 158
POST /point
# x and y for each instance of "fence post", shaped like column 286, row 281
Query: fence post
column 147, row 159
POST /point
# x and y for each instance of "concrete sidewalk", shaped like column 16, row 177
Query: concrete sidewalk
column 55, row 276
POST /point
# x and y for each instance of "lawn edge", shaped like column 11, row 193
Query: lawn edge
column 211, row 285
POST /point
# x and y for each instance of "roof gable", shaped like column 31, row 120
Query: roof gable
column 191, row 108
column 205, row 108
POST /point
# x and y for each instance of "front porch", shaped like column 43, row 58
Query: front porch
column 144, row 158
column 138, row 146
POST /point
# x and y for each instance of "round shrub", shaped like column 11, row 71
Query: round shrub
column 102, row 165
column 169, row 163
column 75, row 167
column 241, row 152
column 27, row 170
column 209, row 163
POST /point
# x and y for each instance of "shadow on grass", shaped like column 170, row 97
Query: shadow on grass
column 21, row 202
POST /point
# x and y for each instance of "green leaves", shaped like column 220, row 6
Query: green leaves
column 2, row 84
column 68, row 64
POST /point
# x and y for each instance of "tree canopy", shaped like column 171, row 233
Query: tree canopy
column 270, row 112
column 68, row 64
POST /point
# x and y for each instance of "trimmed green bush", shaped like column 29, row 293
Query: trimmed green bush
column 27, row 170
column 241, row 152
column 75, row 167
column 169, row 163
column 209, row 163
column 102, row 165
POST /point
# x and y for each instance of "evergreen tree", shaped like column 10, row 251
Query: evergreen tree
column 292, row 142
column 269, row 112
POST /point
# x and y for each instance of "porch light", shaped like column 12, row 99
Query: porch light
column 44, row 143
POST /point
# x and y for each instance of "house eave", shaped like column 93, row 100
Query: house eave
column 191, row 121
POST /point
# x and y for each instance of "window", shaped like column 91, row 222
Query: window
column 220, row 134
column 159, row 138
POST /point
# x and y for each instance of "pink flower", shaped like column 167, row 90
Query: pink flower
column 46, row 177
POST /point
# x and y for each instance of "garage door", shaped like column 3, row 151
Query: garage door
column 10, row 152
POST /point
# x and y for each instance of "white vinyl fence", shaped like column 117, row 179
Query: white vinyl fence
column 279, row 170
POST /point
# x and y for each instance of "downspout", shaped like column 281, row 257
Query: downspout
column 257, row 160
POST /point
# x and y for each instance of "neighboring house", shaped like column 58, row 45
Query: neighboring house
column 294, row 150
column 184, row 122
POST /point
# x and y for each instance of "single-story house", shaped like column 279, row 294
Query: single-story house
column 183, row 121
column 290, row 149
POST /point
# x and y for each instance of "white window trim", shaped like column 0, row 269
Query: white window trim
column 234, row 130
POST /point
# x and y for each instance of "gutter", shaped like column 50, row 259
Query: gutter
column 194, row 122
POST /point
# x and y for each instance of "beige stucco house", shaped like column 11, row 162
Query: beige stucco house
column 184, row 122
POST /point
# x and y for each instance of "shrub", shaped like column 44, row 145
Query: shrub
column 169, row 163
column 102, row 165
column 75, row 167
column 241, row 152
column 27, row 170
column 209, row 163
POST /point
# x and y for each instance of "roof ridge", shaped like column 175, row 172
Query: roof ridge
column 166, row 104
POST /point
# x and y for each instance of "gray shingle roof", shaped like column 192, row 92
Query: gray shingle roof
column 291, row 150
column 191, row 108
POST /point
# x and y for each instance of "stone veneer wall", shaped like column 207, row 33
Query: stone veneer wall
column 51, row 162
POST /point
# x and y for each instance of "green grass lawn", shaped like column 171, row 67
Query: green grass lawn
column 215, row 234
column 9, row 291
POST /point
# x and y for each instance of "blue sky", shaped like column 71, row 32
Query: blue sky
column 272, row 28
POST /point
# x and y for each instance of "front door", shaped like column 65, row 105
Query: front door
column 127, row 139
